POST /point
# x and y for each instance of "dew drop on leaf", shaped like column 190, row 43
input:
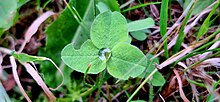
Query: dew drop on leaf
column 104, row 54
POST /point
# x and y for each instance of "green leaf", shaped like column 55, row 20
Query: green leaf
column 22, row 57
column 7, row 13
column 129, row 39
column 211, row 97
column 108, row 48
column 82, row 33
column 112, row 4
column 139, row 35
column 140, row 24
column 81, row 59
column 158, row 79
column 102, row 7
column 109, row 29
column 126, row 61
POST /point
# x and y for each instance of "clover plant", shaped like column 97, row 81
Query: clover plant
column 107, row 49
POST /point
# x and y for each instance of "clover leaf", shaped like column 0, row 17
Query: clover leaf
column 107, row 48
column 80, row 59
column 108, row 29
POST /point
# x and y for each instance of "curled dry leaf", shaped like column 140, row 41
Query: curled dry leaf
column 34, row 27
column 39, row 81
column 15, row 74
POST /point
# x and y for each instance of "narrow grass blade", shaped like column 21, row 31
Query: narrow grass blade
column 181, row 35
column 205, row 26
column 145, row 11
column 142, row 84
column 196, row 51
column 163, row 23
column 196, row 83
column 139, row 6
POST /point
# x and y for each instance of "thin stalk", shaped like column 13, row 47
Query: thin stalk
column 89, row 91
column 213, row 20
column 99, row 82
column 99, row 88
column 73, row 13
column 76, row 15
column 139, row 6
column 142, row 84
column 84, row 77
column 145, row 11
column 151, row 93
column 46, row 3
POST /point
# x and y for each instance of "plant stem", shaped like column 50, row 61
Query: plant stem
column 151, row 93
column 142, row 84
column 5, row 50
column 89, row 91
column 100, row 81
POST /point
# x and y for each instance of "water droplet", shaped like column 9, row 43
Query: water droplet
column 104, row 54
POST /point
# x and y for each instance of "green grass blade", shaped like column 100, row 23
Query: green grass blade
column 163, row 23
column 196, row 51
column 205, row 26
column 181, row 35
column 196, row 83
column 145, row 11
column 201, row 60
column 46, row 3
column 141, row 85
column 139, row 6
column 194, row 54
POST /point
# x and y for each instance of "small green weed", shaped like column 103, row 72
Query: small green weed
column 108, row 48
